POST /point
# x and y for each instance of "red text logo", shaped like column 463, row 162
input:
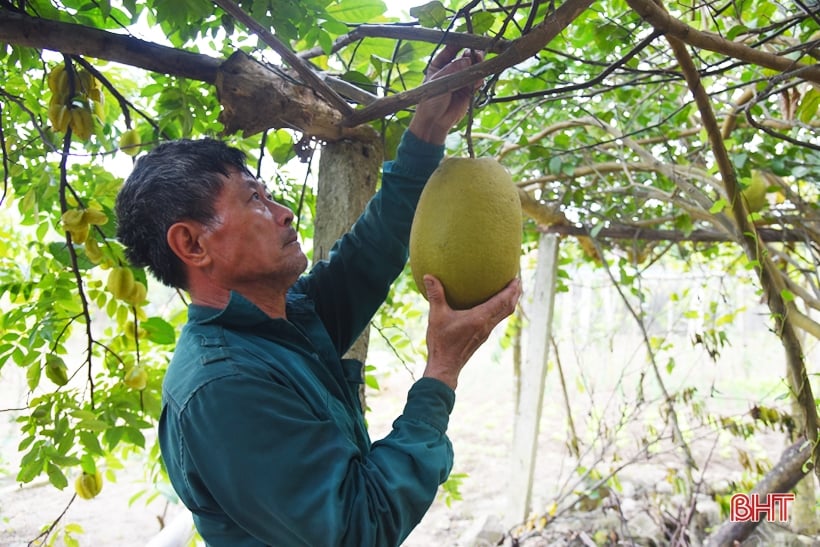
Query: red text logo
column 752, row 507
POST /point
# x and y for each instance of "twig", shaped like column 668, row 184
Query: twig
column 45, row 533
column 616, row 231
column 574, row 444
column 72, row 253
column 673, row 415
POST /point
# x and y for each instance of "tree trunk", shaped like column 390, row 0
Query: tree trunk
column 348, row 172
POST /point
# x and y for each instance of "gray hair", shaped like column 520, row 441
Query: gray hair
column 178, row 180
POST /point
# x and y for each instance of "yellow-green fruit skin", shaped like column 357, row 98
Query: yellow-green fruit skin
column 467, row 230
column 88, row 486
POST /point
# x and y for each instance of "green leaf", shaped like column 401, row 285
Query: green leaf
column 371, row 382
column 56, row 476
column 325, row 41
column 807, row 110
column 59, row 250
column 158, row 330
column 718, row 206
column 92, row 425
column 83, row 414
column 360, row 80
column 555, row 164
column 431, row 15
column 112, row 437
column 134, row 436
column 33, row 373
column 31, row 464
column 335, row 27
column 360, row 11
column 482, row 21
column 735, row 31
column 74, row 528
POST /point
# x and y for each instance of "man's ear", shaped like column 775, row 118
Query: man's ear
column 184, row 238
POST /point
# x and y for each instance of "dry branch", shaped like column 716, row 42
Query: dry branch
column 784, row 476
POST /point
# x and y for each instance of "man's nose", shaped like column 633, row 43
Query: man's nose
column 282, row 214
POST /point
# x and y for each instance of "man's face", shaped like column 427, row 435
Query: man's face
column 251, row 241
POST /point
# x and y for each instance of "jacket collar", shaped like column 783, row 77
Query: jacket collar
column 242, row 314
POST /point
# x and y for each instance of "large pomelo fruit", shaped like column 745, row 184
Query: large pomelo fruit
column 467, row 230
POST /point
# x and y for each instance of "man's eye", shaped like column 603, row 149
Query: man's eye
column 255, row 195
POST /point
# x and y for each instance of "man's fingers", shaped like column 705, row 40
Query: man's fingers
column 503, row 303
column 434, row 289
column 446, row 63
column 443, row 57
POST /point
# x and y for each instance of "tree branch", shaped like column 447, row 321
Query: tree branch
column 756, row 251
column 296, row 63
column 782, row 478
column 648, row 234
column 517, row 52
column 76, row 39
column 664, row 22
column 413, row 33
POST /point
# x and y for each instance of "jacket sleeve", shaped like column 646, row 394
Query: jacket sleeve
column 354, row 281
column 289, row 479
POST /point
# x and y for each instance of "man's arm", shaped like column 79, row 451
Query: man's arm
column 350, row 286
column 353, row 282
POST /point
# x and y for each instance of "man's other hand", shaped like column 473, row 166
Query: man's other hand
column 454, row 335
column 436, row 116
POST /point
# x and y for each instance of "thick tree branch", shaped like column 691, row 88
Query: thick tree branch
column 756, row 252
column 664, row 22
column 411, row 33
column 256, row 97
column 517, row 52
column 648, row 234
column 76, row 39
column 782, row 478
column 277, row 99
column 310, row 77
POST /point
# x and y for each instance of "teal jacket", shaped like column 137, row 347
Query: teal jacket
column 261, row 429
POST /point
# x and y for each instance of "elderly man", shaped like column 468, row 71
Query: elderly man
column 261, row 430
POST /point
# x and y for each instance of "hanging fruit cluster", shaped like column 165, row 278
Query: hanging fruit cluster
column 75, row 98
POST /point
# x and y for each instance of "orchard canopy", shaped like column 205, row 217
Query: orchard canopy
column 640, row 131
